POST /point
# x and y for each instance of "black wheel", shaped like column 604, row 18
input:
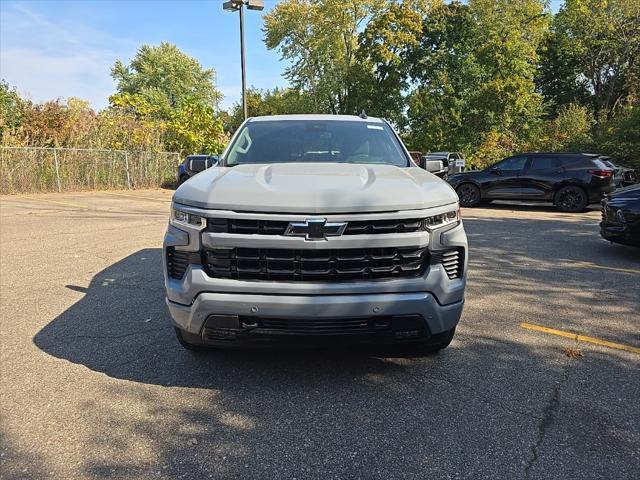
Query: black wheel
column 571, row 199
column 469, row 195
column 183, row 178
column 437, row 342
column 190, row 341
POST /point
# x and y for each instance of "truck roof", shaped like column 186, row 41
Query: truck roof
column 316, row 117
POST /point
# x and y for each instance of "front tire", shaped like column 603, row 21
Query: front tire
column 469, row 195
column 571, row 199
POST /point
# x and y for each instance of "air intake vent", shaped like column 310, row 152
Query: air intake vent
column 177, row 262
column 452, row 261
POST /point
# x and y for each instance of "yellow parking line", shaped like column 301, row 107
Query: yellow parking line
column 581, row 338
column 602, row 267
column 57, row 202
column 139, row 197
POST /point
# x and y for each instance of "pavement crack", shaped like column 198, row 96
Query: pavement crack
column 486, row 401
column 547, row 419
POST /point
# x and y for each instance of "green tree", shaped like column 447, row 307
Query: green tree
column 381, row 76
column 165, row 79
column 11, row 112
column 619, row 136
column 593, row 54
column 194, row 128
column 319, row 38
column 569, row 130
column 446, row 71
column 279, row 101
column 475, row 72
column 347, row 54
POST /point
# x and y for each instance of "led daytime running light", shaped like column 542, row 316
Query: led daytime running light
column 441, row 219
column 181, row 217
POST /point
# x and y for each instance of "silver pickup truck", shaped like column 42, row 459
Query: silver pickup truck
column 315, row 227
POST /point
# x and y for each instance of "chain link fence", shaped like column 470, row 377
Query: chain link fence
column 35, row 169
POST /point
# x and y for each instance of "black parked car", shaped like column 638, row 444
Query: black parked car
column 570, row 180
column 621, row 216
column 194, row 164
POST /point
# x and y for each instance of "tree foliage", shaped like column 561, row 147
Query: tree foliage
column 485, row 77
column 165, row 78
column 347, row 54
column 11, row 111
column 278, row 101
column 475, row 68
column 592, row 55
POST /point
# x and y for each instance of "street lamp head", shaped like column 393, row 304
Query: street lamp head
column 232, row 5
column 255, row 4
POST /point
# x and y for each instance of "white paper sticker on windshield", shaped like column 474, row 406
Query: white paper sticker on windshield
column 375, row 127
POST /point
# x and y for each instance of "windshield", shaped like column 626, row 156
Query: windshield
column 330, row 141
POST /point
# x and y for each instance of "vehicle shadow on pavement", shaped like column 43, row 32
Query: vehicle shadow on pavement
column 123, row 319
column 329, row 413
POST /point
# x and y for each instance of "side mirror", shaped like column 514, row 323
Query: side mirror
column 197, row 165
column 433, row 166
column 495, row 171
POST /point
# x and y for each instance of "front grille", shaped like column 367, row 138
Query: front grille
column 319, row 326
column 452, row 261
column 177, row 262
column 315, row 265
column 276, row 227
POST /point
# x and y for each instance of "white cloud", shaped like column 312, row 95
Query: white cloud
column 46, row 60
column 42, row 76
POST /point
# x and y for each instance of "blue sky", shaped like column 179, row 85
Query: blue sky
column 56, row 49
column 51, row 49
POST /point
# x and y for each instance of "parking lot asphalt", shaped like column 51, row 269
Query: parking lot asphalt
column 94, row 385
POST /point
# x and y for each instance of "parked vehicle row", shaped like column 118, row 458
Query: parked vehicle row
column 570, row 180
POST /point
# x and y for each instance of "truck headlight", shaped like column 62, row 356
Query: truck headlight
column 180, row 217
column 442, row 219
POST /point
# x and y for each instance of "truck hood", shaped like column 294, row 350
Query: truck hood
column 314, row 188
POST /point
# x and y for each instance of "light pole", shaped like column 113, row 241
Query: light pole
column 232, row 6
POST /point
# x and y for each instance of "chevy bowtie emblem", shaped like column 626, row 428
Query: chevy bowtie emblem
column 315, row 229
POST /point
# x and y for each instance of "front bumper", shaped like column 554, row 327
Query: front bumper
column 626, row 234
column 434, row 298
column 399, row 317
